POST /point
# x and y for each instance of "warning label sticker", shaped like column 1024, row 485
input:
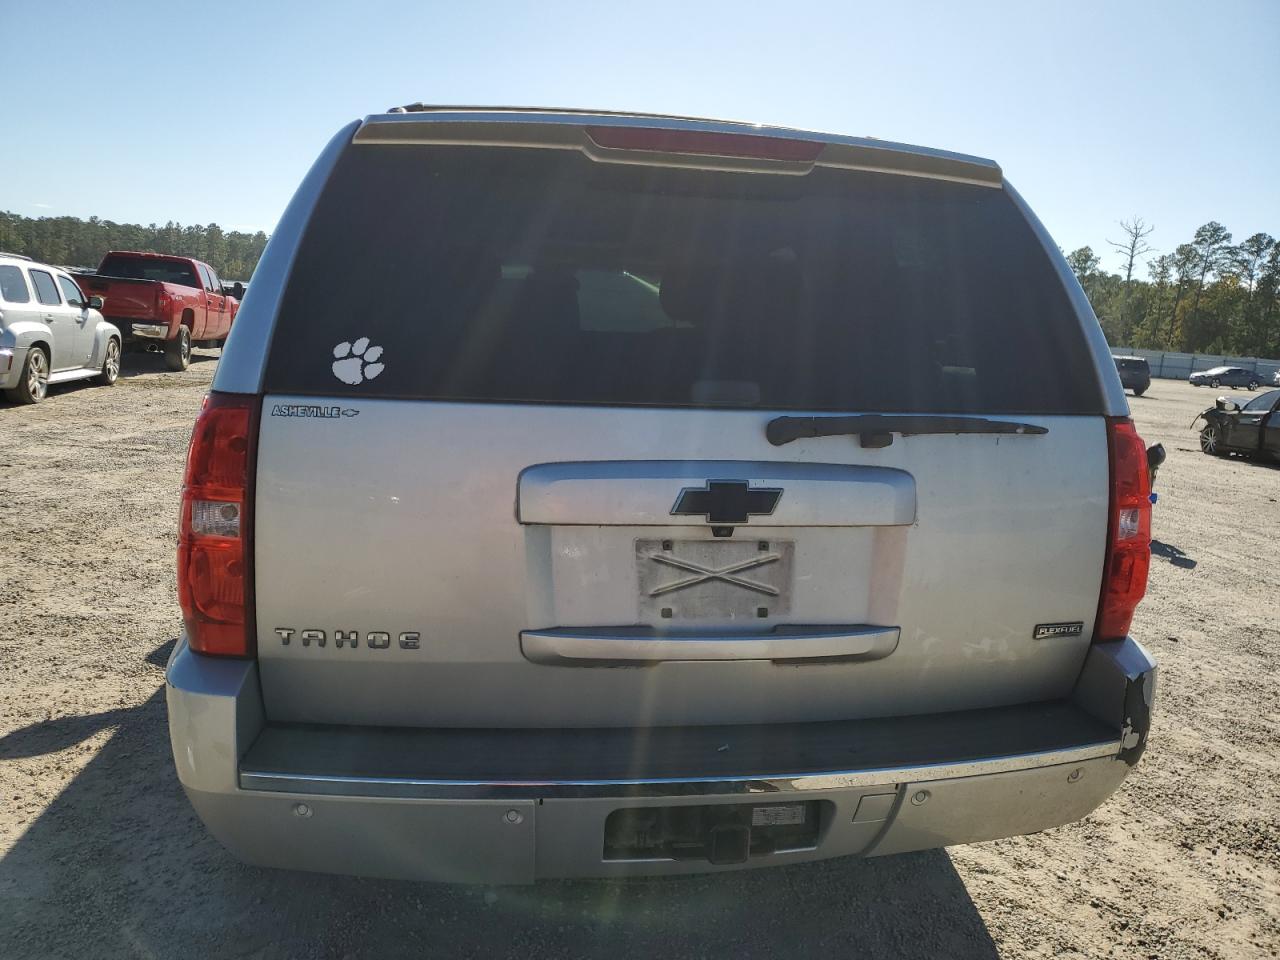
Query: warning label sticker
column 778, row 815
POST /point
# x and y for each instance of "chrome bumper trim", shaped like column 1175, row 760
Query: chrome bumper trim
column 577, row 647
column 425, row 789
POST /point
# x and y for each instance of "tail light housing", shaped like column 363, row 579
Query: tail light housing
column 1128, row 560
column 215, row 545
column 162, row 303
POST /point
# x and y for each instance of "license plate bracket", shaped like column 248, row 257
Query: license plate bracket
column 719, row 833
column 714, row 580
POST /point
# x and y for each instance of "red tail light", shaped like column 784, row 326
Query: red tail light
column 1124, row 578
column 162, row 304
column 215, row 555
column 705, row 143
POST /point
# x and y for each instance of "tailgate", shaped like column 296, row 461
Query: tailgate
column 469, row 544
column 127, row 299
column 514, row 466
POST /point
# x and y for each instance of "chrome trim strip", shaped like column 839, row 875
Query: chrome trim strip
column 643, row 492
column 594, row 646
column 427, row 789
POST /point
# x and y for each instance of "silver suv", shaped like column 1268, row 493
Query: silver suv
column 587, row 494
column 50, row 332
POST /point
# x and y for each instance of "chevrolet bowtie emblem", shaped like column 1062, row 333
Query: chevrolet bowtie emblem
column 727, row 501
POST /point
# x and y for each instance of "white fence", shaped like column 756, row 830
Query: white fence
column 1179, row 366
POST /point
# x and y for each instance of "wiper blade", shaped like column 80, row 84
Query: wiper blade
column 876, row 430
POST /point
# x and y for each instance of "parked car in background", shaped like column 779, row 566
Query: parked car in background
column 50, row 332
column 1135, row 374
column 1253, row 429
column 1275, row 378
column 631, row 530
column 163, row 303
column 1232, row 377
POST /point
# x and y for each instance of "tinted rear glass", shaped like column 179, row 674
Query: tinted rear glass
column 543, row 276
column 13, row 285
column 46, row 292
column 144, row 268
column 1133, row 365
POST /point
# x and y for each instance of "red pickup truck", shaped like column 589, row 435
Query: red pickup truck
column 162, row 303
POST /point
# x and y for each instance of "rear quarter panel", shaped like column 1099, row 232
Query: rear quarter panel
column 233, row 308
column 187, row 302
column 103, row 332
column 22, row 328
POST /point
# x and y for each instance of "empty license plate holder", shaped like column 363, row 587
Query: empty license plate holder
column 714, row 580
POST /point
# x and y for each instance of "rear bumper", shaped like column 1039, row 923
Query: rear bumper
column 417, row 804
column 142, row 331
column 11, row 363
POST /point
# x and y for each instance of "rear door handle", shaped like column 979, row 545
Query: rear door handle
column 587, row 646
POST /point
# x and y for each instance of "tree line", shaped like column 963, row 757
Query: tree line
column 73, row 242
column 1208, row 296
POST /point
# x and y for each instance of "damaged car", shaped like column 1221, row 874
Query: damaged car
column 1252, row 430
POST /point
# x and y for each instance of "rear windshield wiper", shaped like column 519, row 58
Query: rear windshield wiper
column 874, row 430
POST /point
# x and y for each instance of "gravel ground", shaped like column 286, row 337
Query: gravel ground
column 100, row 854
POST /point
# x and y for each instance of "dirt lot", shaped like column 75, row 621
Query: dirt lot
column 100, row 854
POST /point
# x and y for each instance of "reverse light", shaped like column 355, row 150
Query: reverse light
column 215, row 518
column 215, row 582
column 1128, row 556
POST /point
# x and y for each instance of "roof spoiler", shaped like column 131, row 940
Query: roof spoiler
column 614, row 137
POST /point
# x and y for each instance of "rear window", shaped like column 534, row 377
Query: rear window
column 46, row 292
column 1133, row 365
column 13, row 285
column 542, row 276
column 144, row 268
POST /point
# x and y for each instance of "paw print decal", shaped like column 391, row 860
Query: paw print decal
column 357, row 362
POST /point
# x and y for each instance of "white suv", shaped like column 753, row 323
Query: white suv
column 50, row 332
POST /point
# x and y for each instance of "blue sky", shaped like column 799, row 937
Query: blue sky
column 212, row 112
